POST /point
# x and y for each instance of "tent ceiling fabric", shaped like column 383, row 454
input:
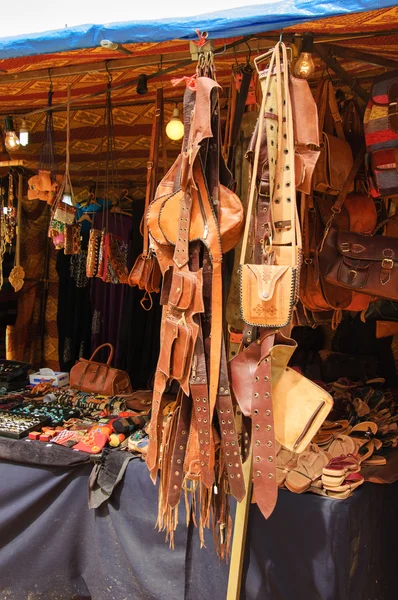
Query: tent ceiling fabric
column 248, row 19
column 133, row 113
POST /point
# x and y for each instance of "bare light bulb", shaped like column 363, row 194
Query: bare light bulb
column 11, row 141
column 305, row 66
column 175, row 127
column 23, row 134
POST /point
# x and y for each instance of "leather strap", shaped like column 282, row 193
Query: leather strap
column 337, row 206
column 152, row 164
column 263, row 439
column 247, row 72
column 178, row 451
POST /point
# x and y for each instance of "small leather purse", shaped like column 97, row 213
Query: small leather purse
column 99, row 378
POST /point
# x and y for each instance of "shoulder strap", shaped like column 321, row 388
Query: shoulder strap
column 152, row 164
column 337, row 206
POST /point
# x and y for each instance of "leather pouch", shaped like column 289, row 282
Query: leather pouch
column 300, row 408
column 333, row 166
column 267, row 294
column 175, row 349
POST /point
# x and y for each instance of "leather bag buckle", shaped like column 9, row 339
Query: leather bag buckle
column 345, row 247
column 387, row 263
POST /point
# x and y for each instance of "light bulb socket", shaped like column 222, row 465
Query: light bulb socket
column 142, row 84
column 308, row 43
column 8, row 124
column 176, row 113
column 109, row 45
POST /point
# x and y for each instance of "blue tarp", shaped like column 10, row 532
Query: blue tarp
column 222, row 24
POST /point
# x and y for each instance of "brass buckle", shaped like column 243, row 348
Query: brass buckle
column 387, row 263
column 345, row 247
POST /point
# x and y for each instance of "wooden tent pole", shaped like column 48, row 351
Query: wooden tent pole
column 240, row 530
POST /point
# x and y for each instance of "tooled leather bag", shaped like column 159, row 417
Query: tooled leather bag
column 99, row 378
column 269, row 290
column 145, row 272
column 335, row 159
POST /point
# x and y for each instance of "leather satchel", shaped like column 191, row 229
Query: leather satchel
column 335, row 160
column 99, row 378
column 361, row 263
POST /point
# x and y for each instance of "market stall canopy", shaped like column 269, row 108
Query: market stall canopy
column 365, row 44
column 224, row 23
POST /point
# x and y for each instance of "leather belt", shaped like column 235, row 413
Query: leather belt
column 263, row 440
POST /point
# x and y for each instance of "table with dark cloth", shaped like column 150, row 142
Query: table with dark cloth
column 54, row 548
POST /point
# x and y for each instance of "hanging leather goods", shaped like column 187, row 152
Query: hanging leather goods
column 17, row 274
column 335, row 160
column 357, row 261
column 192, row 351
column 269, row 290
column 269, row 286
column 146, row 272
column 350, row 212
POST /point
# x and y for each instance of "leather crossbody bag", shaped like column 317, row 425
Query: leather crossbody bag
column 145, row 272
column 335, row 160
column 268, row 291
column 99, row 378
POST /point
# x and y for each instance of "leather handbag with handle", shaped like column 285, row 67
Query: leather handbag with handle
column 269, row 290
column 146, row 272
column 99, row 378
column 335, row 160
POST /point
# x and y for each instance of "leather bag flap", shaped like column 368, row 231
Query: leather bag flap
column 367, row 248
column 266, row 279
column 182, row 291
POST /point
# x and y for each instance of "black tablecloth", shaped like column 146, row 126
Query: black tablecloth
column 54, row 548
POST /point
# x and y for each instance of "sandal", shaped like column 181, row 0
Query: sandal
column 339, row 465
column 309, row 468
column 286, row 460
column 343, row 444
column 352, row 481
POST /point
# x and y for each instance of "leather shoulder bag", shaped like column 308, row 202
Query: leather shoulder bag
column 99, row 378
column 335, row 160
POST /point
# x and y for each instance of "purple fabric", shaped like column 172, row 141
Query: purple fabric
column 107, row 298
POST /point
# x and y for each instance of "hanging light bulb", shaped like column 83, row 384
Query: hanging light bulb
column 67, row 195
column 305, row 66
column 175, row 127
column 23, row 134
column 11, row 140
